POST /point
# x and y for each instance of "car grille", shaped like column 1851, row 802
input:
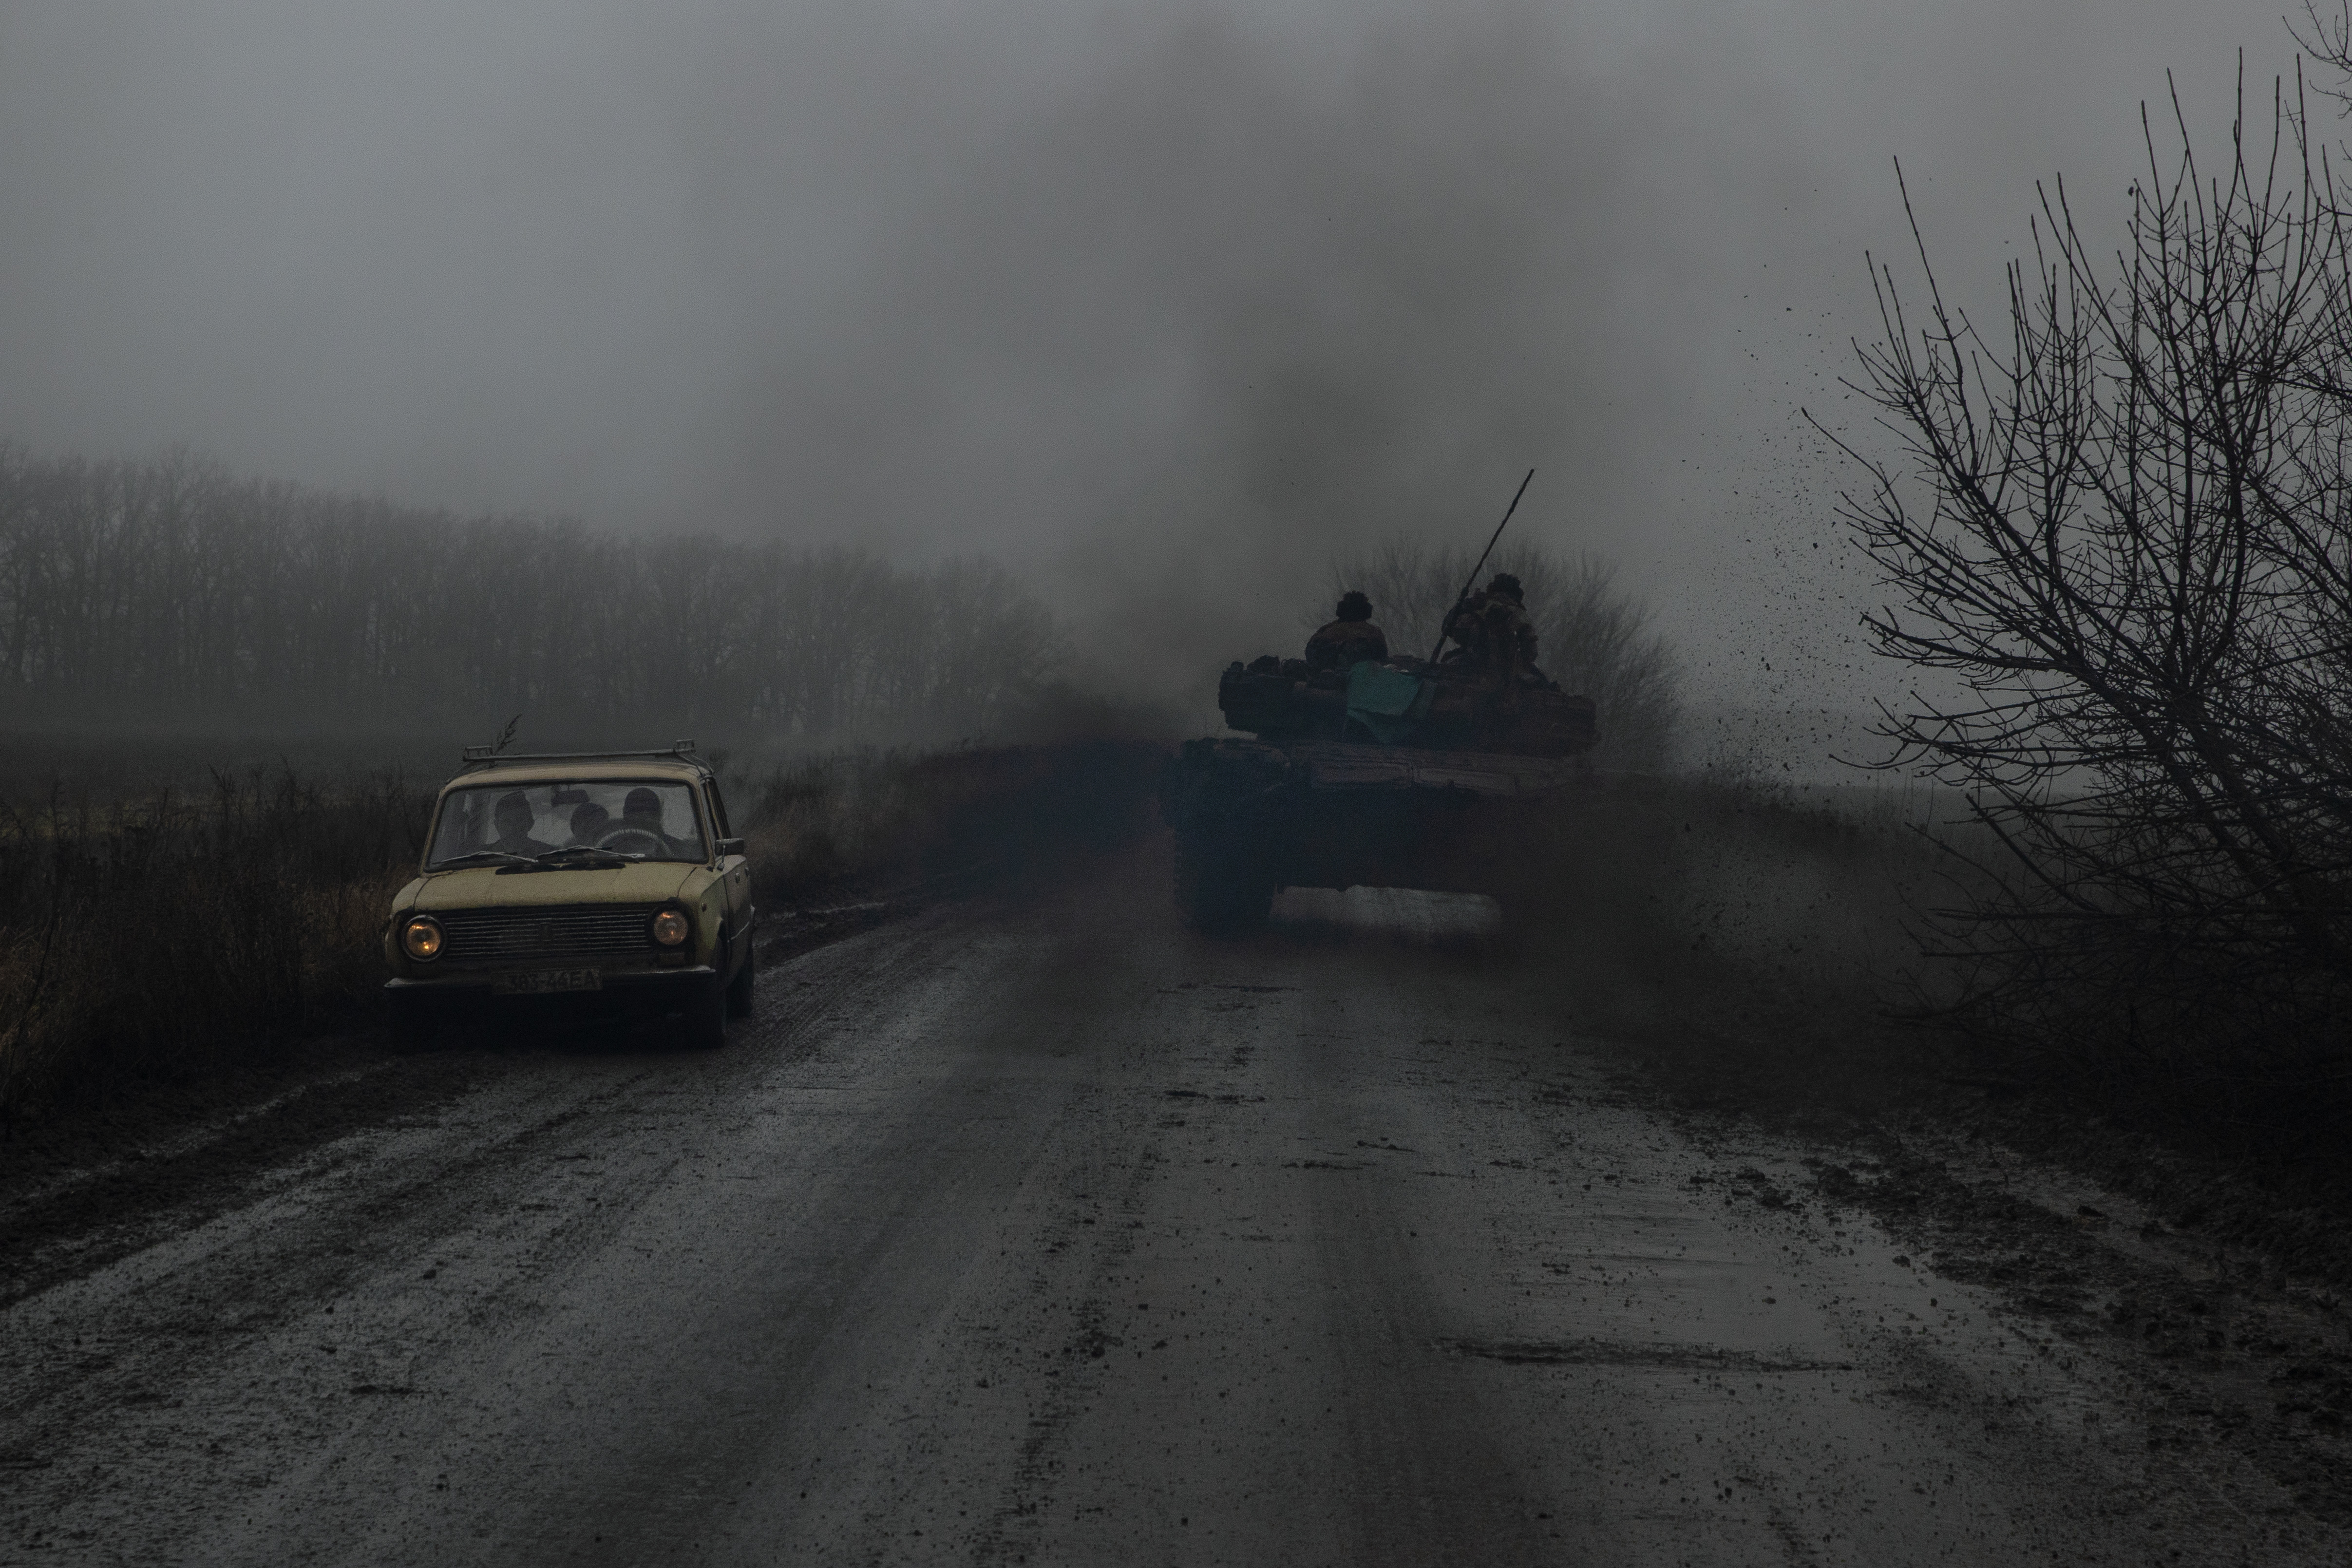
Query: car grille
column 566, row 931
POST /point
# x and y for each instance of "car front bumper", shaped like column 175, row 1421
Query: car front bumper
column 634, row 992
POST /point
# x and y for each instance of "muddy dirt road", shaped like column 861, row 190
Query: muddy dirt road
column 1051, row 1234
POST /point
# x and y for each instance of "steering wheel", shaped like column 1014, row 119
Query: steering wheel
column 632, row 841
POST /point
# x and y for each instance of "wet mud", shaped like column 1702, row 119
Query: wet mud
column 1045, row 1231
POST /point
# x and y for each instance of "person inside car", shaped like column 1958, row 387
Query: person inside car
column 590, row 822
column 514, row 818
column 641, row 811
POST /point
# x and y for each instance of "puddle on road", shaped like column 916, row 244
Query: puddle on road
column 1390, row 911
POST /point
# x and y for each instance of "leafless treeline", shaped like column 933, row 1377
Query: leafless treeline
column 168, row 588
column 2121, row 539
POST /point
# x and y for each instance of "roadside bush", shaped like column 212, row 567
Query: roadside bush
column 2114, row 547
column 151, row 939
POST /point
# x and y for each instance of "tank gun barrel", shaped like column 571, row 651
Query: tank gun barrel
column 1440, row 645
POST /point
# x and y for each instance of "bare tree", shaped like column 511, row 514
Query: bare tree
column 2117, row 549
column 2327, row 38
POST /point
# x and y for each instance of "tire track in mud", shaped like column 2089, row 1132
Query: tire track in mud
column 2211, row 1341
column 2004, row 1366
column 1054, row 1233
column 272, row 1235
column 59, row 1226
column 1007, row 1534
column 871, row 1171
column 79, row 1227
column 66, row 1228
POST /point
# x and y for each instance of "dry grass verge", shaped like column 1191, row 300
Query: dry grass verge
column 145, row 938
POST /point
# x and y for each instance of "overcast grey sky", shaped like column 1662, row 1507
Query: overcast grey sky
column 1162, row 302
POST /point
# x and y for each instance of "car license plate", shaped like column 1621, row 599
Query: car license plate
column 539, row 982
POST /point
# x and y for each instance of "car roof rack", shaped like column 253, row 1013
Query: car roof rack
column 490, row 756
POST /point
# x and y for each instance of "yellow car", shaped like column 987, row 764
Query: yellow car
column 607, row 882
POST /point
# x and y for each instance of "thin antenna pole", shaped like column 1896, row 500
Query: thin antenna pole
column 1480, row 567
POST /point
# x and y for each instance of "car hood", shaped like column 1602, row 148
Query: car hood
column 475, row 887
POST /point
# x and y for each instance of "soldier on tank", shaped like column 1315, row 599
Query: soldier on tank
column 1497, row 638
column 1342, row 643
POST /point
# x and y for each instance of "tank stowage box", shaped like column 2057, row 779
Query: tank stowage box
column 1401, row 774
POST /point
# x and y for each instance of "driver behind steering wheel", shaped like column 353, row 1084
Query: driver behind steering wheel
column 642, row 812
column 589, row 822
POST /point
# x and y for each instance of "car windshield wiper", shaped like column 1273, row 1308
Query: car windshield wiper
column 588, row 853
column 484, row 855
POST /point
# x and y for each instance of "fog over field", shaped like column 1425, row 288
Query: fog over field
column 1161, row 305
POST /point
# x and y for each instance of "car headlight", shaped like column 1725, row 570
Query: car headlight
column 422, row 938
column 671, row 928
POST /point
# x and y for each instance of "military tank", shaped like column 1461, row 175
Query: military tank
column 1405, row 773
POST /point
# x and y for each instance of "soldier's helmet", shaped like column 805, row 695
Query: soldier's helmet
column 1354, row 606
column 1508, row 586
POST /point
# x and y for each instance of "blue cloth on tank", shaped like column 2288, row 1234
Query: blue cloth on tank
column 1388, row 703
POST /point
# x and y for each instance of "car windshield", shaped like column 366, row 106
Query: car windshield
column 640, row 818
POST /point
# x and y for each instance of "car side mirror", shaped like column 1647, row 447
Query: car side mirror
column 730, row 846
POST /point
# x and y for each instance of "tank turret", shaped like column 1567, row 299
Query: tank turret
column 1404, row 701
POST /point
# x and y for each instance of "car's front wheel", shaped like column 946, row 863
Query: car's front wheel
column 738, row 990
column 412, row 1024
column 704, row 1028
